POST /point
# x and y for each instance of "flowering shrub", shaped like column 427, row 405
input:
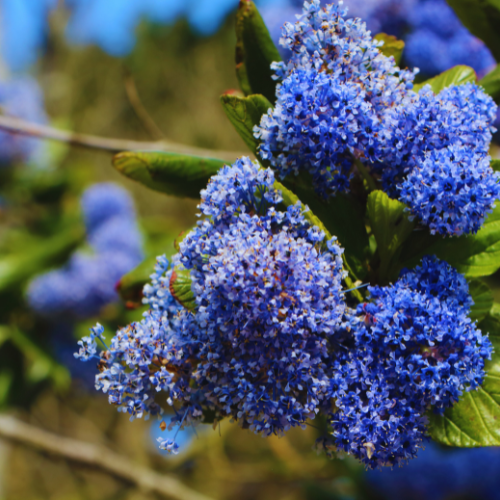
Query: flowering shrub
column 336, row 276
column 434, row 36
column 87, row 282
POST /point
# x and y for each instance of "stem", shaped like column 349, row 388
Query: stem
column 96, row 456
column 135, row 101
column 350, row 284
column 18, row 126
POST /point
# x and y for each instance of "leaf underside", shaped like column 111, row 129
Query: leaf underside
column 474, row 420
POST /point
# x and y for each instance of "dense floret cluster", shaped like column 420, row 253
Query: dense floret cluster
column 438, row 40
column 449, row 196
column 415, row 347
column 21, row 98
column 269, row 298
column 435, row 38
column 87, row 282
column 268, row 303
column 342, row 105
column 381, row 16
column 268, row 340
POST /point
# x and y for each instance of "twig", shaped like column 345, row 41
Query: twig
column 139, row 109
column 18, row 126
column 96, row 456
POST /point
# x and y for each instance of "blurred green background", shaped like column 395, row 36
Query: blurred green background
column 178, row 78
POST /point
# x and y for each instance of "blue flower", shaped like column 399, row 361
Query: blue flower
column 415, row 348
column 316, row 125
column 105, row 201
column 88, row 345
column 268, row 289
column 151, row 356
column 159, row 433
column 87, row 283
column 439, row 41
column 435, row 38
column 452, row 191
column 342, row 103
column 337, row 101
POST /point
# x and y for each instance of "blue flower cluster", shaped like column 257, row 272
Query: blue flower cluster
column 384, row 16
column 414, row 348
column 87, row 282
column 381, row 16
column 269, row 298
column 440, row 473
column 342, row 103
column 269, row 301
column 269, row 341
column 21, row 98
column 435, row 38
column 439, row 41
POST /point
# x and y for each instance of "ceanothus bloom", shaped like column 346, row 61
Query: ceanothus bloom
column 448, row 196
column 415, row 348
column 87, row 282
column 269, row 300
column 437, row 40
column 269, row 296
column 343, row 106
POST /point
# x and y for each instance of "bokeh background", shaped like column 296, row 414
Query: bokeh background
column 153, row 71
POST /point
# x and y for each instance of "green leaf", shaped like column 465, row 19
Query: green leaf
column 255, row 51
column 483, row 300
column 491, row 84
column 169, row 173
column 481, row 18
column 16, row 269
column 244, row 113
column 495, row 310
column 392, row 46
column 41, row 364
column 390, row 225
column 473, row 255
column 474, row 420
column 180, row 288
column 457, row 75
